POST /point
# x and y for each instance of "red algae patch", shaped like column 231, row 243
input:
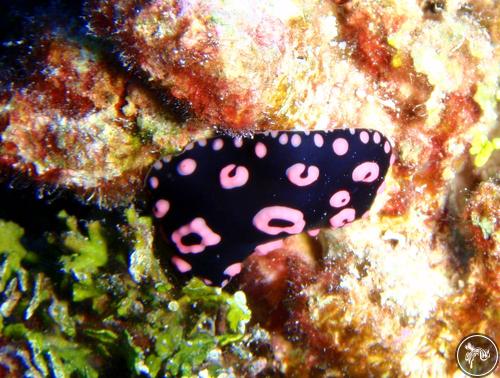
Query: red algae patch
column 78, row 124
column 247, row 65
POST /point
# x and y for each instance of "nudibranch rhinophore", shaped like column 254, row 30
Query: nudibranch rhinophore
column 223, row 198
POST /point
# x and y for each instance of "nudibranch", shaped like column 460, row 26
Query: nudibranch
column 224, row 198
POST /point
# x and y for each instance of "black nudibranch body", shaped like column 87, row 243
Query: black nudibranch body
column 223, row 198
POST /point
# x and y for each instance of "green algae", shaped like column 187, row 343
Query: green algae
column 110, row 307
column 486, row 225
column 11, row 251
column 482, row 148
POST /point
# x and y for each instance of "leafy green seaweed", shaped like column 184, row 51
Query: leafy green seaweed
column 11, row 251
column 97, row 314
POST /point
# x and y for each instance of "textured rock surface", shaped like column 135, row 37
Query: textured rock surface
column 84, row 124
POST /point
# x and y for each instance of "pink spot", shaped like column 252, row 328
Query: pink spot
column 376, row 137
column 307, row 132
column 340, row 146
column 217, row 144
column 352, row 131
column 283, row 139
column 313, row 233
column 238, row 142
column 186, row 167
column 197, row 226
column 381, row 188
column 387, row 147
column 296, row 140
column 260, row 150
column 365, row 172
column 158, row 165
column 262, row 219
column 265, row 248
column 189, row 147
column 181, row 265
column 161, row 208
column 343, row 217
column 153, row 182
column 224, row 283
column 207, row 281
column 294, row 174
column 340, row 199
column 202, row 143
column 233, row 270
column 233, row 177
column 274, row 133
column 393, row 159
column 318, row 140
column 364, row 137
column 167, row 159
column 365, row 215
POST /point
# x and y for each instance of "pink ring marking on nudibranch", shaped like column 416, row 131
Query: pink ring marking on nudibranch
column 352, row 131
column 233, row 269
column 197, row 226
column 393, row 159
column 262, row 219
column 158, row 165
column 296, row 140
column 366, row 214
column 364, row 137
column 238, row 142
column 387, row 147
column 295, row 171
column 381, row 188
column 161, row 208
column 260, row 150
column 217, row 144
column 181, row 265
column 189, row 146
column 340, row 146
column 167, row 159
column 186, row 167
column 343, row 217
column 265, row 248
column 307, row 132
column 283, row 139
column 340, row 198
column 274, row 133
column 238, row 179
column 318, row 140
column 224, row 283
column 376, row 137
column 366, row 172
column 314, row 232
column 154, row 182
column 207, row 281
column 202, row 142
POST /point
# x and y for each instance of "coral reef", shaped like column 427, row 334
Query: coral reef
column 390, row 295
column 81, row 123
